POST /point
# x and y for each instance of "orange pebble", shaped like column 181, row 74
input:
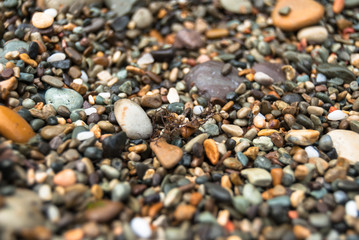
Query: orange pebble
column 338, row 6
column 211, row 150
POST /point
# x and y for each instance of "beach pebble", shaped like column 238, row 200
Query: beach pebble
column 51, row 11
column 42, row 20
column 141, row 227
column 263, row 79
column 143, row 18
column 337, row 115
column 63, row 96
column 168, row 155
column 345, row 143
column 82, row 136
column 173, row 96
column 257, row 176
column 302, row 137
column 133, row 119
column 56, row 57
column 242, row 7
column 311, row 152
column 65, row 178
column 315, row 34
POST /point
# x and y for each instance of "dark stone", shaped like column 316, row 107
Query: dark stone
column 217, row 192
column 93, row 153
column 7, row 73
column 292, row 98
column 33, row 50
column 74, row 55
column 93, row 118
column 210, row 82
column 25, row 114
column 96, row 24
column 112, row 146
column 163, row 55
column 333, row 70
column 120, row 23
column 188, row 39
column 64, row 64
column 271, row 69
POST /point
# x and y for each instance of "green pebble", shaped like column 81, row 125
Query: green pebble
column 176, row 107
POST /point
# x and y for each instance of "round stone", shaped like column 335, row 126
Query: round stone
column 63, row 96
column 168, row 155
column 42, row 20
column 316, row 34
column 141, row 227
column 346, row 144
column 133, row 119
column 143, row 18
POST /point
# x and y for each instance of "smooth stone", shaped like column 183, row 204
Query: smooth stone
column 217, row 192
column 21, row 211
column 103, row 211
column 252, row 194
column 172, row 198
column 113, row 145
column 121, row 192
column 198, row 139
column 49, row 132
column 65, row 3
column 65, row 178
column 302, row 13
column 42, row 20
column 264, row 143
column 232, row 130
column 302, row 137
column 257, row 176
column 121, row 7
column 210, row 82
column 188, row 39
column 263, row 79
column 242, row 7
column 337, row 115
column 345, row 143
column 316, row 34
column 53, row 81
column 133, row 119
column 10, row 46
column 334, row 70
column 141, row 227
column 63, row 96
column 168, row 155
column 56, row 57
column 14, row 127
column 143, row 18
column 273, row 70
column 51, row 11
column 319, row 220
column 325, row 143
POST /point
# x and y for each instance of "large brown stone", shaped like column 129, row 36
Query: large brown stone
column 168, row 155
column 302, row 13
column 210, row 81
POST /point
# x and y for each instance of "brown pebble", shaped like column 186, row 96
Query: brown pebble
column 65, row 178
column 277, row 174
column 103, row 211
column 211, row 150
column 184, row 212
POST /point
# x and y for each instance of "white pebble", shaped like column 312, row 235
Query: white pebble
column 145, row 59
column 141, row 227
column 172, row 96
column 53, row 213
column 84, row 76
column 197, row 110
column 311, row 152
column 79, row 123
column 260, row 115
column 105, row 95
column 90, row 111
column 78, row 81
column 51, row 11
column 337, row 115
column 45, row 192
column 321, row 78
column 56, row 57
column 82, row 136
column 262, row 78
column 351, row 209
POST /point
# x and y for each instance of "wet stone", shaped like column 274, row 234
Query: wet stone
column 66, row 97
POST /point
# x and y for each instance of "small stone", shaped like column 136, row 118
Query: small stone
column 52, row 81
column 257, row 176
column 232, row 130
column 189, row 39
column 337, row 115
column 184, row 212
column 311, row 152
column 232, row 163
column 211, row 150
column 141, row 227
column 319, row 220
column 56, row 57
column 264, row 143
column 132, row 119
column 219, row 193
column 168, row 155
column 173, row 96
column 334, row 70
column 65, row 178
column 103, row 211
column 51, row 11
column 49, row 132
column 42, row 20
column 302, row 137
column 143, row 18
column 145, row 59
column 241, row 7
column 263, row 79
column 345, row 144
column 121, row 192
column 316, row 34
column 121, row 7
column 172, row 198
column 63, row 96
column 273, row 70
column 151, row 101
column 14, row 127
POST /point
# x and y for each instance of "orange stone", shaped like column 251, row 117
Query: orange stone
column 277, row 174
column 6, row 86
column 195, row 199
column 302, row 13
column 211, row 149
column 65, row 178
column 184, row 212
column 74, row 234
column 338, row 6
column 14, row 127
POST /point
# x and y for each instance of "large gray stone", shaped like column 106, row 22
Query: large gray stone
column 63, row 96
column 121, row 7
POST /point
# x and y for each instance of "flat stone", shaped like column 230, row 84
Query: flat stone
column 273, row 70
column 198, row 139
column 21, row 210
column 188, row 39
column 143, row 18
column 10, row 46
column 257, row 176
column 168, row 155
column 241, row 7
column 53, row 81
column 42, row 20
column 334, row 70
column 302, row 137
column 345, row 143
column 121, row 7
column 133, row 119
column 65, row 3
column 210, row 81
column 232, row 130
column 14, row 127
column 63, row 96
column 103, row 211
column 316, row 34
column 65, row 178
column 49, row 132
column 302, row 14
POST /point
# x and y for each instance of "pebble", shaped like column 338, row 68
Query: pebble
column 121, row 7
column 141, row 227
column 63, row 96
column 49, row 132
column 311, row 152
column 52, row 81
column 173, row 96
column 351, row 209
column 198, row 139
column 120, row 192
column 184, row 212
column 264, row 143
column 82, row 136
column 133, row 119
column 345, row 144
column 145, row 59
column 315, row 34
column 143, row 18
column 302, row 14
column 56, row 57
column 168, row 155
column 334, row 70
column 232, row 130
column 337, row 115
column 188, row 39
column 65, row 178
column 211, row 150
column 197, row 110
column 172, row 198
column 302, row 137
column 14, row 127
column 273, row 70
column 257, row 176
column 42, row 20
column 241, row 7
column 103, row 211
column 252, row 194
column 210, row 82
column 51, row 11
column 263, row 79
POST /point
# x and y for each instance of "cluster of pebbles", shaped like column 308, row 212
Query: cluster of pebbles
column 220, row 119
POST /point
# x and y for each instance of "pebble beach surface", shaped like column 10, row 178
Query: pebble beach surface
column 223, row 119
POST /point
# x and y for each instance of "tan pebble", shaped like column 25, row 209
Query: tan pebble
column 140, row 148
column 28, row 60
column 300, row 156
column 252, row 152
column 168, row 155
column 259, row 122
column 74, row 234
column 96, row 191
column 301, row 232
column 297, row 197
column 184, row 212
column 223, row 217
column 211, row 150
column 266, row 132
column 65, row 178
column 302, row 137
column 277, row 174
column 232, row 130
column 96, row 131
column 42, row 20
